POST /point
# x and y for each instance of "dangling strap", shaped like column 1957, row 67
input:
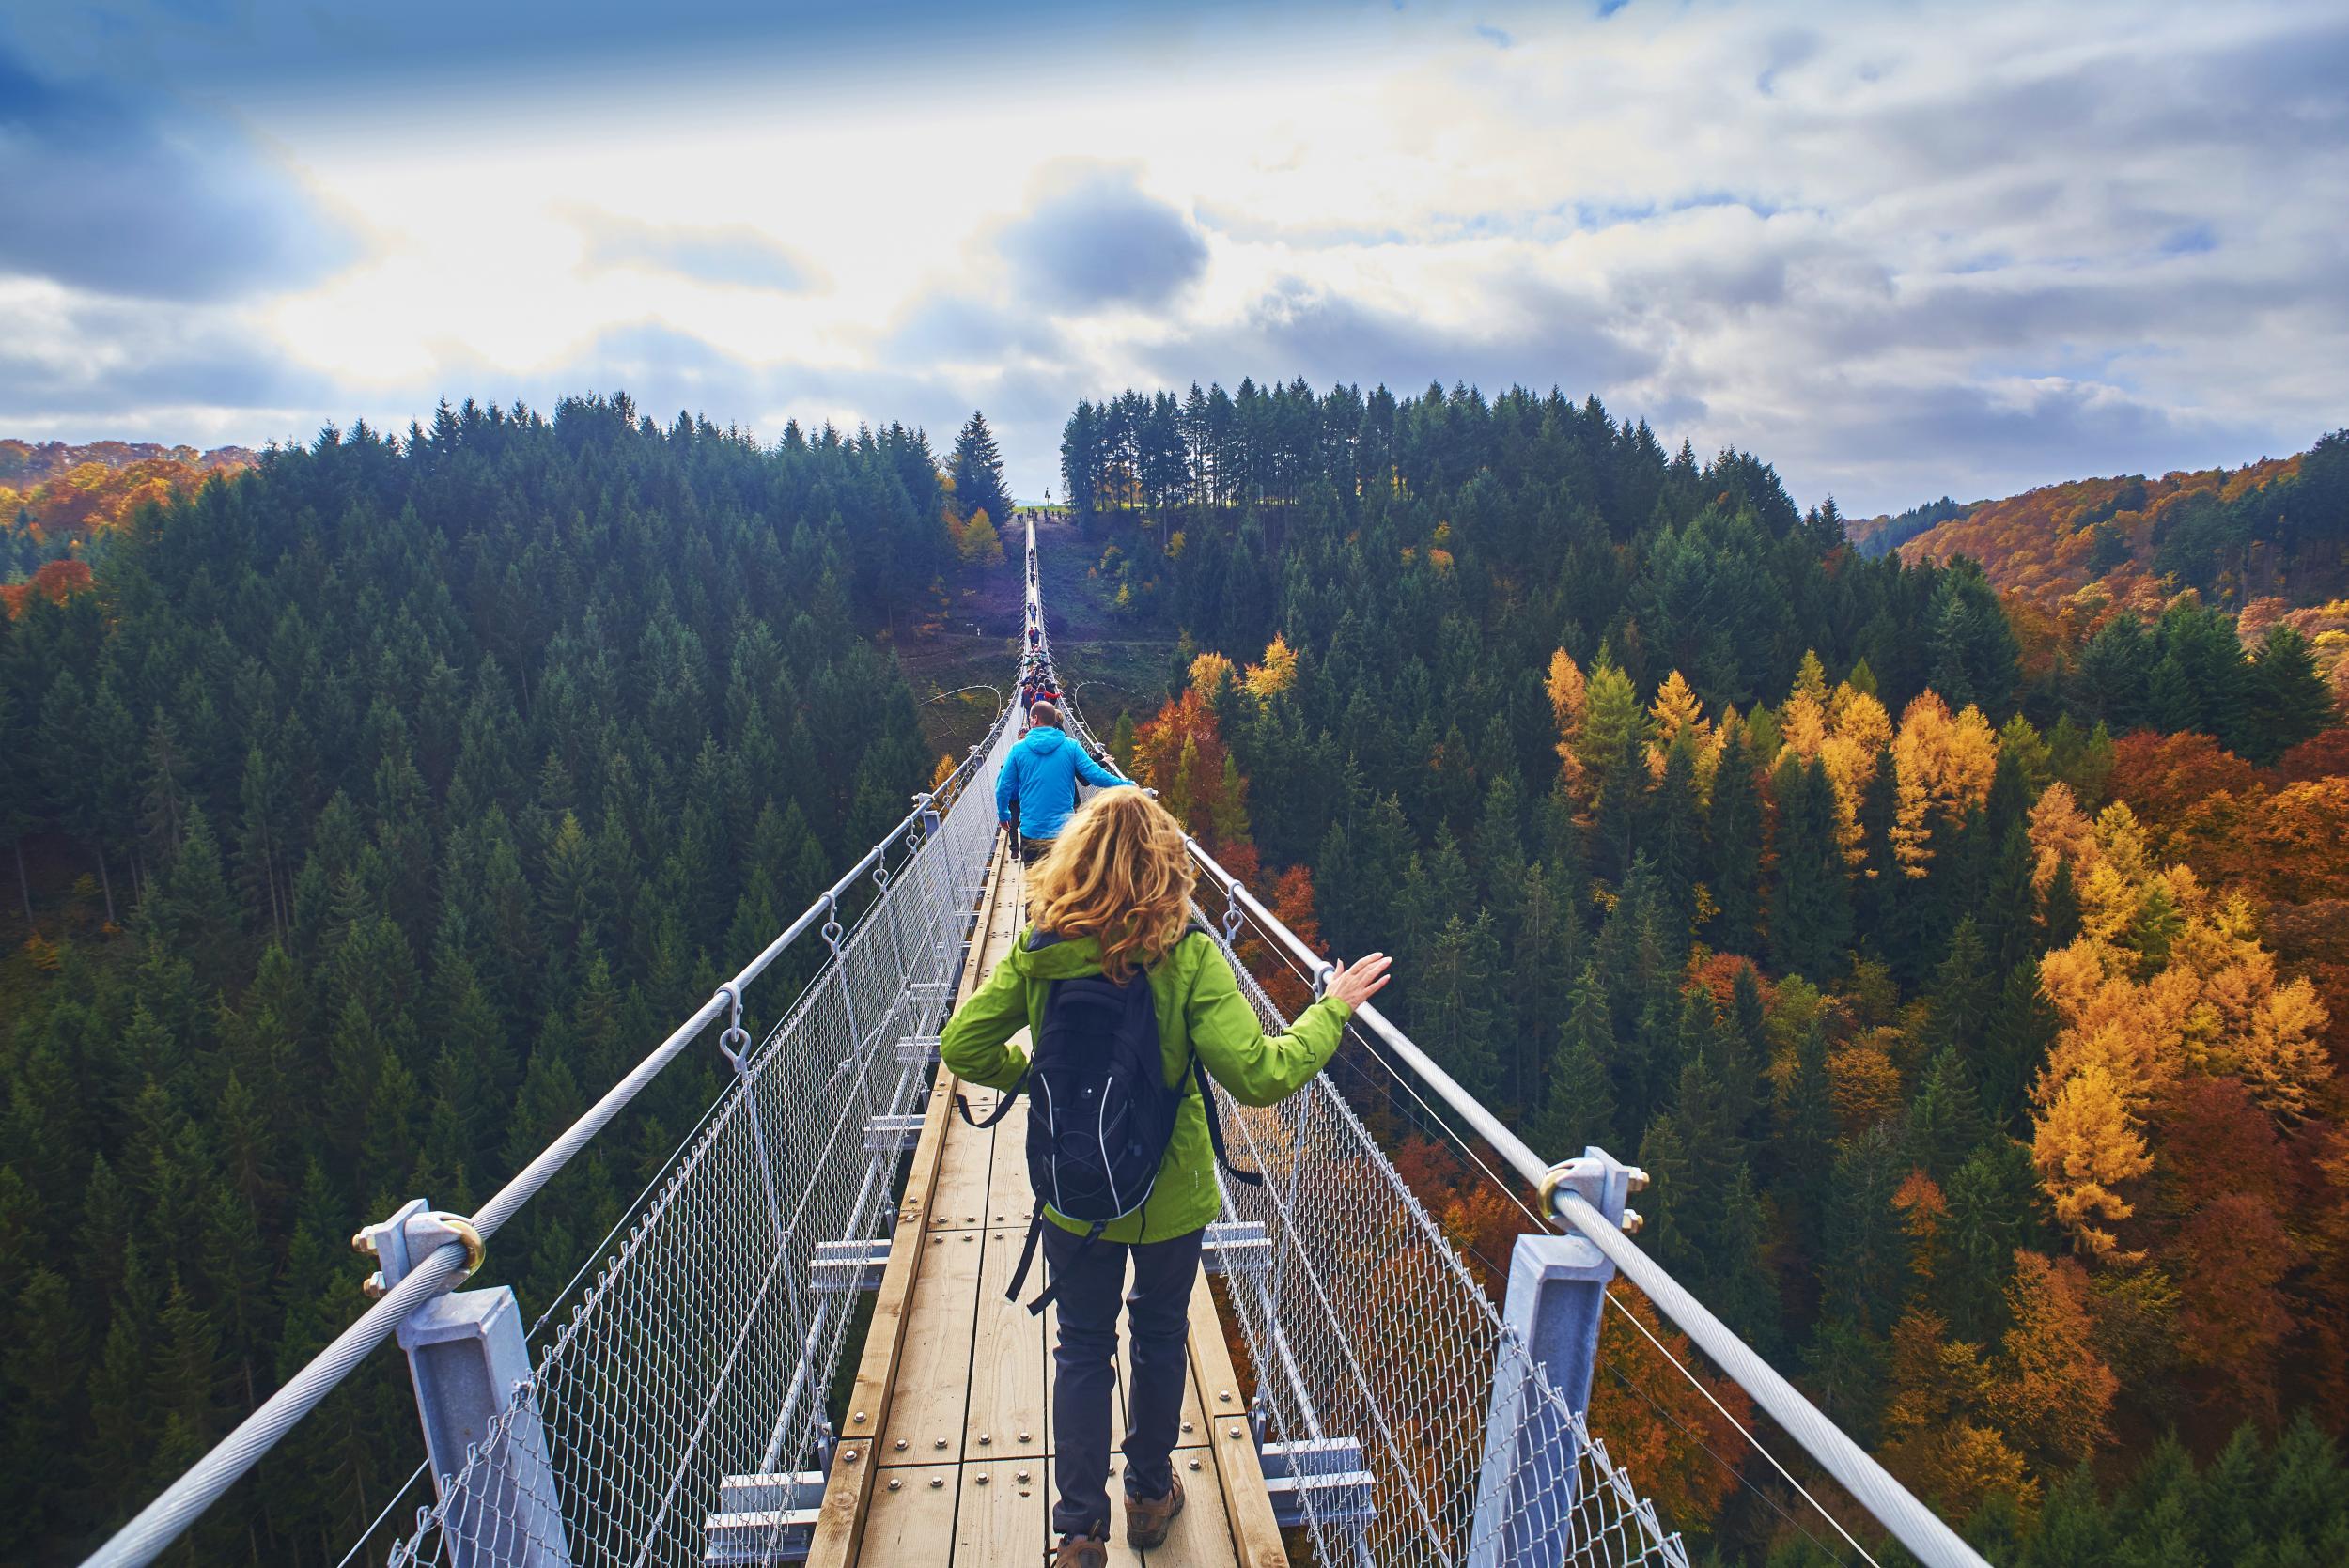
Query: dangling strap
column 1002, row 1107
column 1215, row 1127
column 1027, row 1256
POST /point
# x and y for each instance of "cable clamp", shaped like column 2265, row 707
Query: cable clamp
column 734, row 1040
column 1600, row 1180
column 463, row 1228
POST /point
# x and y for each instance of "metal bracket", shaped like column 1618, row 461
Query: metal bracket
column 917, row 1051
column 892, row 1135
column 763, row 1519
column 1238, row 1248
column 1323, row 1480
column 1557, row 1292
column 1600, row 1180
column 844, row 1267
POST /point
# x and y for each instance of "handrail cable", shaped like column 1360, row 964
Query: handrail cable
column 376, row 1523
column 164, row 1520
column 1662, row 1350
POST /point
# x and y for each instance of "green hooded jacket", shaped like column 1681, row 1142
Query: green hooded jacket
column 1199, row 1008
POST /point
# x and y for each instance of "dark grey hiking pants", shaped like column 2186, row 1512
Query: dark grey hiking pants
column 1084, row 1386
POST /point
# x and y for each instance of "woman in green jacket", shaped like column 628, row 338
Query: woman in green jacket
column 1113, row 898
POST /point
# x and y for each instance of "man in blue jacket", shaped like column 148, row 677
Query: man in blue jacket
column 1041, row 775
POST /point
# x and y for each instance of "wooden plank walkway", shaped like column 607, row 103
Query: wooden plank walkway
column 946, row 1453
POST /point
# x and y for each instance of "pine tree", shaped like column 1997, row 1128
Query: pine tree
column 1665, row 1205
column 1809, row 900
column 2010, row 928
column 1964, row 990
column 2015, row 1039
column 1538, row 971
column 2288, row 701
column 1879, row 895
column 196, row 906
column 2059, row 910
column 1452, row 999
column 1742, row 1292
column 1675, row 835
column 44, row 1365
column 1715, row 1150
column 1989, row 1196
column 977, row 471
column 1945, row 1118
column 1580, row 1111
column 1734, row 840
column 1863, row 1269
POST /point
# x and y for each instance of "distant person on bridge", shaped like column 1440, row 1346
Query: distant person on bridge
column 1115, row 897
column 1040, row 778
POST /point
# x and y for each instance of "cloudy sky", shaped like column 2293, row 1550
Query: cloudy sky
column 1896, row 249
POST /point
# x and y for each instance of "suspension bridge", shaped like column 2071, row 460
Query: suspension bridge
column 1382, row 1411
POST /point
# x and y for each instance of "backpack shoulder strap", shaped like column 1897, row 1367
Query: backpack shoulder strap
column 1215, row 1126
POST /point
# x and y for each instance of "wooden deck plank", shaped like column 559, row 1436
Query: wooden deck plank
column 965, row 1168
column 847, row 1494
column 1008, row 1376
column 909, row 1524
column 1009, row 1199
column 1003, row 1521
column 1253, row 1534
column 949, row 1357
column 933, row 1376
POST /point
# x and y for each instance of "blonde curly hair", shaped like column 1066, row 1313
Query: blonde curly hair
column 1117, row 873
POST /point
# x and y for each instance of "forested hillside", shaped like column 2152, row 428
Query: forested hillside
column 1968, row 977
column 2277, row 529
column 377, row 807
column 57, row 499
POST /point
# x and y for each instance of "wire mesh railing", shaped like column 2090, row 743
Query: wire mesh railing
column 703, row 1349
column 1372, row 1339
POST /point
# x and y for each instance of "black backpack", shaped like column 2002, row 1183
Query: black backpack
column 1099, row 1112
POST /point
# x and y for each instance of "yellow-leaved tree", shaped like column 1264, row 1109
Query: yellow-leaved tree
column 1802, row 725
column 1857, row 732
column 1937, row 1434
column 1567, row 697
column 1278, row 672
column 1675, row 712
column 1208, row 672
column 979, row 544
column 2166, row 978
column 1944, row 761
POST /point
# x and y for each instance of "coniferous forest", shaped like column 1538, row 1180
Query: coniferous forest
column 1968, row 975
column 392, row 797
column 1968, row 978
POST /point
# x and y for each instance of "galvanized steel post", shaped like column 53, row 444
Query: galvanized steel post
column 469, row 1365
column 1556, row 1291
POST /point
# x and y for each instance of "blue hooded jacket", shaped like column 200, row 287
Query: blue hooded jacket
column 1042, row 773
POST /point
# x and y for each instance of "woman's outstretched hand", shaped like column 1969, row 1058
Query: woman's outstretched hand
column 1358, row 982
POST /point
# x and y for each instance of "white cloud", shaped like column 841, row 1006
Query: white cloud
column 1896, row 252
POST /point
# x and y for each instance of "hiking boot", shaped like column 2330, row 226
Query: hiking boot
column 1148, row 1519
column 1082, row 1551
